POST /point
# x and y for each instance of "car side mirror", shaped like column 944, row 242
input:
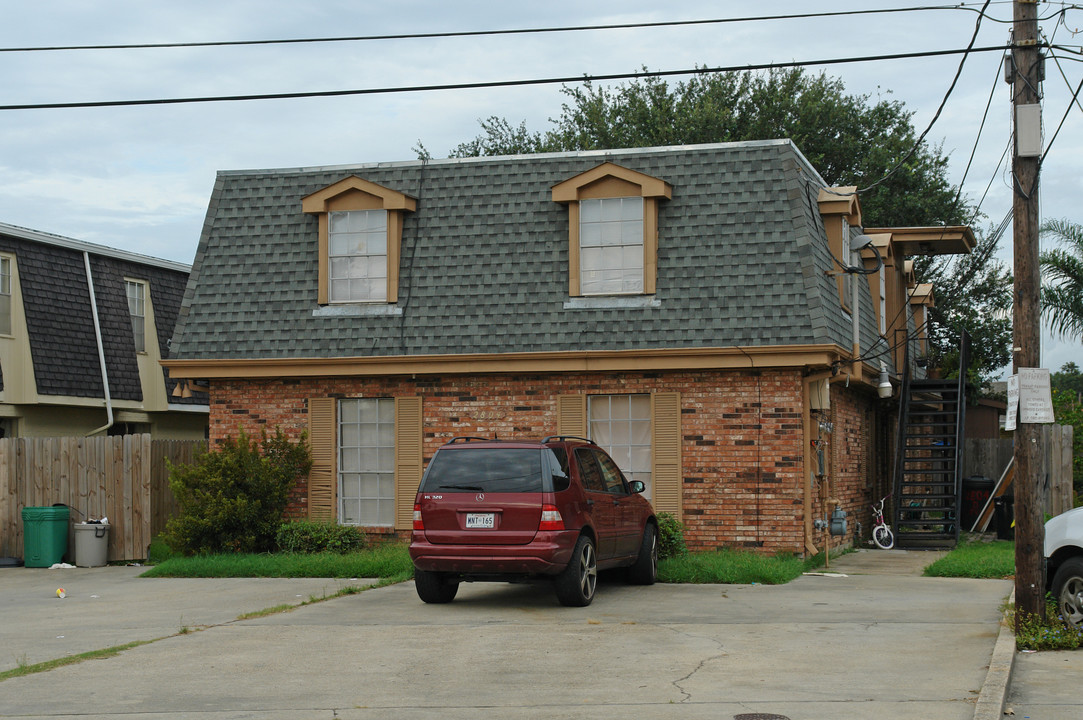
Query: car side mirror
column 558, row 473
column 636, row 486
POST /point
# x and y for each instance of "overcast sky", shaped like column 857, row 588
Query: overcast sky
column 139, row 178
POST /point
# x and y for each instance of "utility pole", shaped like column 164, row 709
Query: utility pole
column 1026, row 314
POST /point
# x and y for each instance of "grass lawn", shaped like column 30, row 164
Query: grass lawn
column 975, row 558
column 732, row 566
column 389, row 563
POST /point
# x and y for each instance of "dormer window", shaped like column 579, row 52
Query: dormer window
column 5, row 295
column 137, row 309
column 611, row 246
column 360, row 230
column 357, row 270
column 841, row 211
column 612, row 230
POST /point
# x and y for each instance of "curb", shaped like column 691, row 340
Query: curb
column 994, row 691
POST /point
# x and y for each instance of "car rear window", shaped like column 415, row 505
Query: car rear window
column 491, row 470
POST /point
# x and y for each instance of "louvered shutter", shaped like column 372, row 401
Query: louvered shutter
column 572, row 415
column 408, row 459
column 666, row 452
column 322, row 433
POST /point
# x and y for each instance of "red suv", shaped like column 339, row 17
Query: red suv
column 492, row 510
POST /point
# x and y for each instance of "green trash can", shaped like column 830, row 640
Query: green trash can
column 45, row 535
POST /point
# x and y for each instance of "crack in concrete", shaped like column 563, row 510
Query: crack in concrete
column 686, row 696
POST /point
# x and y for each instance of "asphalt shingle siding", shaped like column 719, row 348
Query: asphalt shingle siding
column 484, row 260
column 60, row 324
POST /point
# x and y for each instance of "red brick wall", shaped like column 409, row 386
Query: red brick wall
column 743, row 439
column 852, row 465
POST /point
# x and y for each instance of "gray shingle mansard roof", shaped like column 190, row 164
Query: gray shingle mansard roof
column 60, row 324
column 484, row 260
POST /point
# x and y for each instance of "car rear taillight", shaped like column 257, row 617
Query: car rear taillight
column 419, row 524
column 550, row 518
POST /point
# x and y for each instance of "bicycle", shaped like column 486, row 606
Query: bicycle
column 881, row 533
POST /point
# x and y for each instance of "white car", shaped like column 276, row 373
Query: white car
column 1064, row 563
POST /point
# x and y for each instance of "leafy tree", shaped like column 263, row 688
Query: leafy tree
column 233, row 497
column 1067, row 386
column 1069, row 379
column 849, row 139
column 1062, row 291
column 972, row 292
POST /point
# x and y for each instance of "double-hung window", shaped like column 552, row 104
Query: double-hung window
column 5, row 295
column 137, row 309
column 358, row 256
column 621, row 425
column 366, row 463
column 611, row 246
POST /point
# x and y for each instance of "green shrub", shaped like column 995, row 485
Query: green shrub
column 310, row 536
column 670, row 537
column 233, row 497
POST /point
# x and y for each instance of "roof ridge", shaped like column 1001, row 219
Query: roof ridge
column 659, row 149
column 89, row 247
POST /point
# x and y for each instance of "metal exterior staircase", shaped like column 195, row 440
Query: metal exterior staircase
column 929, row 459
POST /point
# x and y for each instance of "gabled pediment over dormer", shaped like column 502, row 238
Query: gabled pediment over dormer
column 354, row 193
column 610, row 180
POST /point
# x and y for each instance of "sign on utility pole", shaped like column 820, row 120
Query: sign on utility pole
column 1026, row 314
column 1030, row 398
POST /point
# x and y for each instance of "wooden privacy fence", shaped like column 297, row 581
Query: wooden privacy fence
column 989, row 458
column 123, row 478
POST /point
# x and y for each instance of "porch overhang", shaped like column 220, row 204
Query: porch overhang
column 938, row 240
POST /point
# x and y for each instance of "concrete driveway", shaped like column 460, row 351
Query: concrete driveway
column 878, row 642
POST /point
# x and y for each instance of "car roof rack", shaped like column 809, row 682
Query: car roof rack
column 562, row 438
column 469, row 438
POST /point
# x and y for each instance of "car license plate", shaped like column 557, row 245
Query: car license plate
column 480, row 520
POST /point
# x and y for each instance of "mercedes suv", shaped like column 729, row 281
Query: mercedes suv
column 498, row 510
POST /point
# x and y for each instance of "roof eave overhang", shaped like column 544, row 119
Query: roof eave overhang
column 713, row 358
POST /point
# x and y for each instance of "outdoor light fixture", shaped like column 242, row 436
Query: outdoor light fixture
column 884, row 389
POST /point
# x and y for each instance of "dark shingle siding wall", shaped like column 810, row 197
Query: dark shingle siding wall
column 58, row 317
column 484, row 263
column 56, row 299
column 116, row 326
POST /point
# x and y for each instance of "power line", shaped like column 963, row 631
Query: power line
column 1067, row 110
column 943, row 103
column 484, row 33
column 500, row 83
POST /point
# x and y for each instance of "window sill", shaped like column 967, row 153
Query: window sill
column 356, row 310
column 612, row 302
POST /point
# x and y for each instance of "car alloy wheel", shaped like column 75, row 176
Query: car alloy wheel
column 576, row 585
column 1068, row 591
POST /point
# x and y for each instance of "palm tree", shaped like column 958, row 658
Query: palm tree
column 1062, row 278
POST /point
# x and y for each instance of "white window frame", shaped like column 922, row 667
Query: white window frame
column 611, row 246
column 137, row 309
column 357, row 257
column 7, row 322
column 621, row 425
column 366, row 462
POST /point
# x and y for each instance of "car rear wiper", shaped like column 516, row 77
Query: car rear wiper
column 461, row 487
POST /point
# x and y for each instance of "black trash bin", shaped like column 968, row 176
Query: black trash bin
column 976, row 492
column 1004, row 513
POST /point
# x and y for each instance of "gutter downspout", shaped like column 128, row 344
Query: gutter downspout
column 101, row 348
column 855, row 297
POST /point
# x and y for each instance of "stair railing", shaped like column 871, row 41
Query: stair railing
column 960, row 427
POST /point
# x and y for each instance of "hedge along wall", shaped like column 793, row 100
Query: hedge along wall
column 741, row 433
